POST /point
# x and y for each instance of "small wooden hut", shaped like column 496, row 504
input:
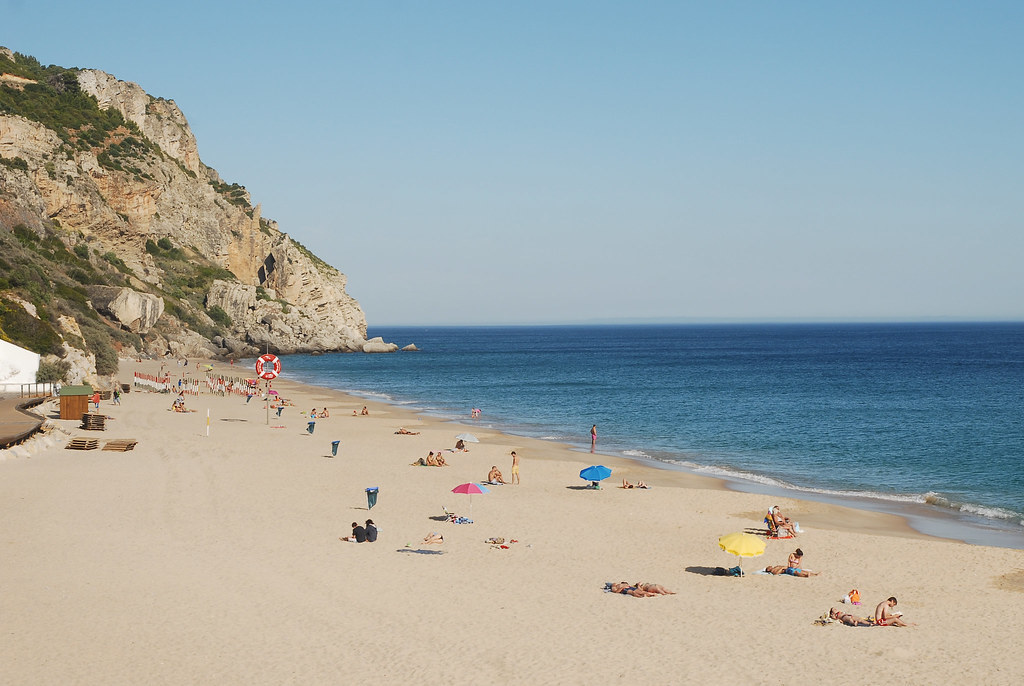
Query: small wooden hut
column 74, row 401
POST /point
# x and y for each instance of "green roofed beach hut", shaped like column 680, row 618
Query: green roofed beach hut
column 74, row 401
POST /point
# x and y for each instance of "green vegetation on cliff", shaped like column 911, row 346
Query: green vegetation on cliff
column 41, row 270
column 56, row 101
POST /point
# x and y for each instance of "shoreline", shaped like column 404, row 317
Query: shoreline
column 196, row 558
column 922, row 518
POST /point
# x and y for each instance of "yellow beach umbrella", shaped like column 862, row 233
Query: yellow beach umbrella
column 742, row 544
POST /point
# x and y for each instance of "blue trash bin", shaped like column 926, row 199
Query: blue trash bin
column 334, row 448
column 371, row 497
column 310, row 427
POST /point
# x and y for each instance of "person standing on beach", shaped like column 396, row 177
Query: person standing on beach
column 515, row 468
column 593, row 437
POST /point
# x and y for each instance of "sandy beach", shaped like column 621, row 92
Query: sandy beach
column 215, row 558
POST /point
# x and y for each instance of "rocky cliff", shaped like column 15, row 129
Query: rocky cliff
column 122, row 185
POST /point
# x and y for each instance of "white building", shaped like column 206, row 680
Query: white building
column 17, row 366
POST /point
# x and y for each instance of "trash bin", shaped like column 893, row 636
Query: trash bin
column 334, row 448
column 279, row 408
column 371, row 497
column 310, row 427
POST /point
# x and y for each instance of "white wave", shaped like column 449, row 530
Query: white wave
column 972, row 508
column 929, row 498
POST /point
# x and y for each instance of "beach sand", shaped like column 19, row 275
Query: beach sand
column 198, row 559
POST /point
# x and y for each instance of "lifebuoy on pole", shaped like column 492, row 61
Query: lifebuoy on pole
column 268, row 367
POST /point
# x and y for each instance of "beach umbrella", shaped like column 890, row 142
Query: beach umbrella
column 595, row 473
column 470, row 488
column 468, row 438
column 742, row 544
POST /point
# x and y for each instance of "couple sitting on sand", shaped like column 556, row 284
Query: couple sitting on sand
column 884, row 616
column 367, row 534
column 431, row 460
column 639, row 590
column 639, row 484
column 792, row 566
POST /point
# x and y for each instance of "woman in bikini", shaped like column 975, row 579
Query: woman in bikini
column 625, row 589
column 793, row 565
column 656, row 589
column 847, row 618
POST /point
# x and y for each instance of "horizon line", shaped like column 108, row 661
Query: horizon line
column 706, row 322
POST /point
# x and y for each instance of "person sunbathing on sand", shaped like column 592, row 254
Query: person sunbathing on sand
column 625, row 589
column 639, row 484
column 494, row 476
column 433, row 537
column 792, row 567
column 639, row 590
column 847, row 618
column 884, row 616
column 405, row 432
column 657, row 589
column 428, row 461
column 783, row 522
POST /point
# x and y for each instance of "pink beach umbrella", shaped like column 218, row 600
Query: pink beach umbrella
column 470, row 488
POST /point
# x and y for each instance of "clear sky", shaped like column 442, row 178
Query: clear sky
column 570, row 162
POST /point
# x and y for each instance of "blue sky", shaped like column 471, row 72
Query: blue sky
column 568, row 162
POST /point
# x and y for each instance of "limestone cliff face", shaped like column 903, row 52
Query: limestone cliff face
column 160, row 120
column 163, row 190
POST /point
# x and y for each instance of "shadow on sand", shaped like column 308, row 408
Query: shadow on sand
column 704, row 571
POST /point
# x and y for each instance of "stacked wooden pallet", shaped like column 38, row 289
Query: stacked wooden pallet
column 120, row 444
column 83, row 444
column 94, row 422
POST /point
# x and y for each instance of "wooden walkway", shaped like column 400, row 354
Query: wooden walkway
column 16, row 421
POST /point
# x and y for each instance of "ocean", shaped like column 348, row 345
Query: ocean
column 923, row 420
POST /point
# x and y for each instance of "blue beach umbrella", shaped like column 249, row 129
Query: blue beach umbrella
column 597, row 472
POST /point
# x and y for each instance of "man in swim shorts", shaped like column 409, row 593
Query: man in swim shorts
column 884, row 616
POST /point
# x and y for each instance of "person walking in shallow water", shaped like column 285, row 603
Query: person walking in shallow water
column 593, row 437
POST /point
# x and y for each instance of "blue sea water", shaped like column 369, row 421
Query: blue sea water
column 923, row 415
